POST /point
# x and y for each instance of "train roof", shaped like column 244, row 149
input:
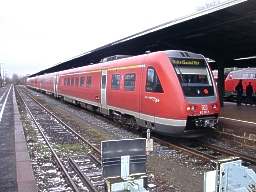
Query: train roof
column 107, row 62
column 183, row 54
column 245, row 70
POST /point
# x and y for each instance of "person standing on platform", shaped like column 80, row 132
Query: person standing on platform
column 239, row 92
column 249, row 92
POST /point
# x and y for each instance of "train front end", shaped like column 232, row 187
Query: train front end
column 202, row 104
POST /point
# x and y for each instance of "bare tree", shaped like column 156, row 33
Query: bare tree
column 18, row 79
column 7, row 80
column 15, row 78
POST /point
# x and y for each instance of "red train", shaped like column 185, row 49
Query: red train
column 246, row 75
column 171, row 92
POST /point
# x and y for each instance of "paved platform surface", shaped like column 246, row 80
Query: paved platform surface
column 239, row 120
column 15, row 166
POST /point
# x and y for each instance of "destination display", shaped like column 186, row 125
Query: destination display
column 182, row 61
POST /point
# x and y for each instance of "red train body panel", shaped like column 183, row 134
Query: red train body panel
column 170, row 92
column 246, row 75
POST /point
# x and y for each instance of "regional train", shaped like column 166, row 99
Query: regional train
column 170, row 92
column 247, row 75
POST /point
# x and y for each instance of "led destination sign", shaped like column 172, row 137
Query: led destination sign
column 182, row 61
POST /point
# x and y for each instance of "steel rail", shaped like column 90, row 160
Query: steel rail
column 66, row 125
column 3, row 94
column 83, row 177
column 95, row 159
column 191, row 151
column 205, row 155
column 232, row 153
column 237, row 138
column 73, row 185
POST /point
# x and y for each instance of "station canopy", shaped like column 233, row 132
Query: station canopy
column 225, row 33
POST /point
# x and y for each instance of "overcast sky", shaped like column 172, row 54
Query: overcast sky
column 36, row 34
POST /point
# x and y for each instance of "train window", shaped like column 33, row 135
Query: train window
column 153, row 83
column 194, row 77
column 82, row 81
column 115, row 83
column 129, row 82
column 89, row 81
column 245, row 76
column 103, row 81
column 65, row 81
column 77, row 81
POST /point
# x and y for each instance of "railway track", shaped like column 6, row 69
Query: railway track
column 206, row 151
column 188, row 150
column 81, row 172
column 245, row 158
column 201, row 151
column 4, row 94
column 240, row 140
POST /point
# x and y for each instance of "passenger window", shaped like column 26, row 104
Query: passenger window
column 153, row 83
column 129, row 82
column 115, row 83
column 89, row 81
column 103, row 81
column 82, row 81
column 245, row 76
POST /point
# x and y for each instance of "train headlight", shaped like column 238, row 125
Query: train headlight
column 214, row 106
column 191, row 108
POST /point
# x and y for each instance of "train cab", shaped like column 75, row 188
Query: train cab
column 199, row 90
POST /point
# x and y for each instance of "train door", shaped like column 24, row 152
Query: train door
column 54, row 85
column 150, row 96
column 40, row 84
column 56, row 82
column 147, row 114
column 103, row 94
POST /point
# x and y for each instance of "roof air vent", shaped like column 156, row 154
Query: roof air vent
column 182, row 54
column 114, row 57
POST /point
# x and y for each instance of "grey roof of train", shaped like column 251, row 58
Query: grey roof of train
column 245, row 70
column 223, row 33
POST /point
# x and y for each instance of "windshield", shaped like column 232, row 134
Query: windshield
column 194, row 77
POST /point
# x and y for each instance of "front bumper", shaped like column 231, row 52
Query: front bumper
column 199, row 122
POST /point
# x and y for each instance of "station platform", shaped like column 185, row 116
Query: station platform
column 239, row 120
column 16, row 173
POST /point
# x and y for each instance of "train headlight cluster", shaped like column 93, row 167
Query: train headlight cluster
column 191, row 108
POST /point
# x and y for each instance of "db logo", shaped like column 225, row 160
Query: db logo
column 204, row 107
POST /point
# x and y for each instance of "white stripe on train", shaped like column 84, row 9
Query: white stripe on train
column 145, row 117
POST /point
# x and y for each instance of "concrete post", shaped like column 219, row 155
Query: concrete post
column 221, row 81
